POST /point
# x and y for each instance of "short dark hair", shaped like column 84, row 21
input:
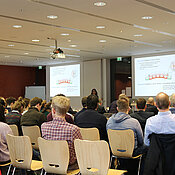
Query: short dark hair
column 162, row 100
column 141, row 103
column 17, row 106
column 123, row 104
column 2, row 102
column 26, row 102
column 84, row 102
column 34, row 101
column 10, row 100
column 92, row 102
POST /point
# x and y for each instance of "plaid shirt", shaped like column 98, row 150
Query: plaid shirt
column 59, row 129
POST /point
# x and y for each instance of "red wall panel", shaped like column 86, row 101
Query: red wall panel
column 13, row 80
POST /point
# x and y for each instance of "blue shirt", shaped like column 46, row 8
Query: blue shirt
column 163, row 123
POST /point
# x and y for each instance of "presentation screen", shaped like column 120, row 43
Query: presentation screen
column 65, row 80
column 153, row 75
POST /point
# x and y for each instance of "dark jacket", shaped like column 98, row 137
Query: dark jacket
column 152, row 108
column 160, row 158
column 91, row 118
column 142, row 116
column 33, row 117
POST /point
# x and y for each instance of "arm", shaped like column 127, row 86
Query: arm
column 147, row 133
column 139, row 133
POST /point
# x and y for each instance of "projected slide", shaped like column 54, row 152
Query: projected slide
column 154, row 74
column 65, row 80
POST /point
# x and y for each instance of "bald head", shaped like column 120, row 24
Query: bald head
column 150, row 101
column 162, row 101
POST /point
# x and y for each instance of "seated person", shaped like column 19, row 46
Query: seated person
column 84, row 104
column 59, row 129
column 151, row 106
column 14, row 116
column 10, row 101
column 140, row 114
column 172, row 103
column 122, row 120
column 33, row 116
column 90, row 118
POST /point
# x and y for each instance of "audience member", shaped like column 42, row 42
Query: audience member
column 141, row 115
column 172, row 103
column 91, row 118
column 2, row 112
column 10, row 101
column 164, row 122
column 113, row 106
column 33, row 116
column 100, row 108
column 47, row 109
column 4, row 152
column 26, row 102
column 122, row 120
column 59, row 129
column 84, row 104
column 151, row 106
column 14, row 116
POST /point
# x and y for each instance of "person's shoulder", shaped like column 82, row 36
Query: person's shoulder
column 4, row 126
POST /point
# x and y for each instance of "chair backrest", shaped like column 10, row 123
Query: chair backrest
column 20, row 150
column 14, row 129
column 33, row 132
column 90, row 134
column 54, row 155
column 93, row 156
column 121, row 142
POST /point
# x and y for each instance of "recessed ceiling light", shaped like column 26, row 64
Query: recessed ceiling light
column 100, row 27
column 17, row 26
column 52, row 46
column 73, row 55
column 102, row 41
column 138, row 35
column 64, row 34
column 26, row 53
column 52, row 17
column 73, row 45
column 100, row 4
column 147, row 17
column 69, row 40
column 35, row 40
column 121, row 31
column 7, row 56
column 11, row 45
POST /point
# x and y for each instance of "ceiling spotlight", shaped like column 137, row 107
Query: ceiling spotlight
column 11, row 45
column 138, row 35
column 35, row 40
column 26, row 53
column 17, row 26
column 7, row 56
column 100, row 27
column 102, row 41
column 147, row 17
column 64, row 34
column 69, row 40
column 73, row 45
column 99, row 4
column 52, row 17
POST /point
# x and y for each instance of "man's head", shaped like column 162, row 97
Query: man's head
column 172, row 100
column 84, row 102
column 162, row 101
column 141, row 103
column 123, row 104
column 18, row 105
column 92, row 102
column 60, row 105
column 36, row 102
column 10, row 101
column 150, row 101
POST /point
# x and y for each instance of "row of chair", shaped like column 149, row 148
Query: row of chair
column 93, row 156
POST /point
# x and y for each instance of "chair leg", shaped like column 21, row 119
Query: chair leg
column 110, row 162
column 140, row 159
column 45, row 173
column 41, row 172
column 9, row 169
column 14, row 170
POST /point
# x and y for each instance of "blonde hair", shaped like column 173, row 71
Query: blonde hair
column 60, row 104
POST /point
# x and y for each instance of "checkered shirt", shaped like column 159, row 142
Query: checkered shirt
column 59, row 129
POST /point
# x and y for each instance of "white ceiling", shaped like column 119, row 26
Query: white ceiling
column 122, row 20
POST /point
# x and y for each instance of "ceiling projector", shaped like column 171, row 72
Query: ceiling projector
column 58, row 53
